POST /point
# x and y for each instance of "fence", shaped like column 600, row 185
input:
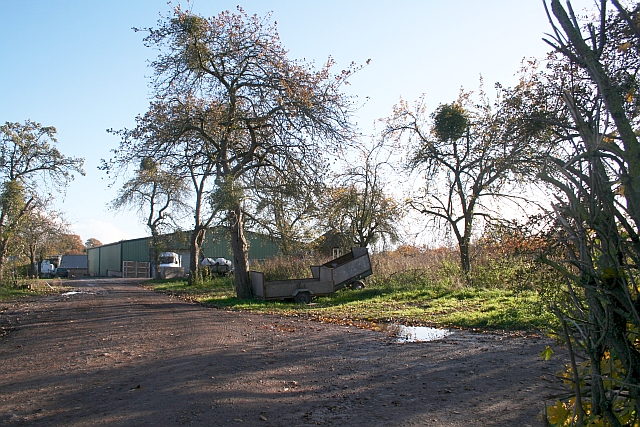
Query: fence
column 134, row 269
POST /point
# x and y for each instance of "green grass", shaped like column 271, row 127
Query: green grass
column 31, row 288
column 216, row 288
column 411, row 300
column 7, row 293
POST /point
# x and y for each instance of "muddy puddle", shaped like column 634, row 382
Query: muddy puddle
column 70, row 293
column 404, row 334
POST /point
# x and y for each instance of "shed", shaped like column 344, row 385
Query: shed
column 76, row 265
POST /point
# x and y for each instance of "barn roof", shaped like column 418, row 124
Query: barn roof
column 73, row 261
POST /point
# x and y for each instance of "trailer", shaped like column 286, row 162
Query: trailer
column 347, row 270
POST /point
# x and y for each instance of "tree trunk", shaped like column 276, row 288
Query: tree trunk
column 155, row 254
column 3, row 252
column 240, row 253
column 197, row 235
column 465, row 258
column 155, row 250
column 33, row 266
column 464, row 241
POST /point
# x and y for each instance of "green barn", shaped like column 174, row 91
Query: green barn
column 108, row 260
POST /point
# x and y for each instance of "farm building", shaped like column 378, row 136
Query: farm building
column 76, row 265
column 115, row 259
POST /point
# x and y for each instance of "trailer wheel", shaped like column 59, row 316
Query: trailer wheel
column 358, row 284
column 303, row 298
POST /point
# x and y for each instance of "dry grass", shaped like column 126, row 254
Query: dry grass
column 287, row 267
column 413, row 286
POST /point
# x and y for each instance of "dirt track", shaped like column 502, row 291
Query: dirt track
column 116, row 354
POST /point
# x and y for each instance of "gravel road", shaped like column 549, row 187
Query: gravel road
column 112, row 353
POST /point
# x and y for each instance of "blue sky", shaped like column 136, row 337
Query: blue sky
column 78, row 66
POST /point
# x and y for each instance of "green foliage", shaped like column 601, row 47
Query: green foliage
column 227, row 195
column 450, row 122
column 12, row 217
column 546, row 353
column 614, row 378
column 515, row 273
column 30, row 165
column 12, row 292
column 13, row 198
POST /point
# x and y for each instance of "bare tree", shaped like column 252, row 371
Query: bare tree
column 359, row 206
column 229, row 89
column 285, row 204
column 159, row 197
column 469, row 157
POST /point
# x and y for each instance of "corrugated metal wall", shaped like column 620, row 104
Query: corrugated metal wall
column 93, row 261
column 110, row 258
column 261, row 248
column 103, row 258
column 136, row 250
column 216, row 245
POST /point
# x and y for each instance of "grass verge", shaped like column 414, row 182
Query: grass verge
column 32, row 288
column 390, row 301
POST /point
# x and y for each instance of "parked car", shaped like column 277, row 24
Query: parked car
column 62, row 272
